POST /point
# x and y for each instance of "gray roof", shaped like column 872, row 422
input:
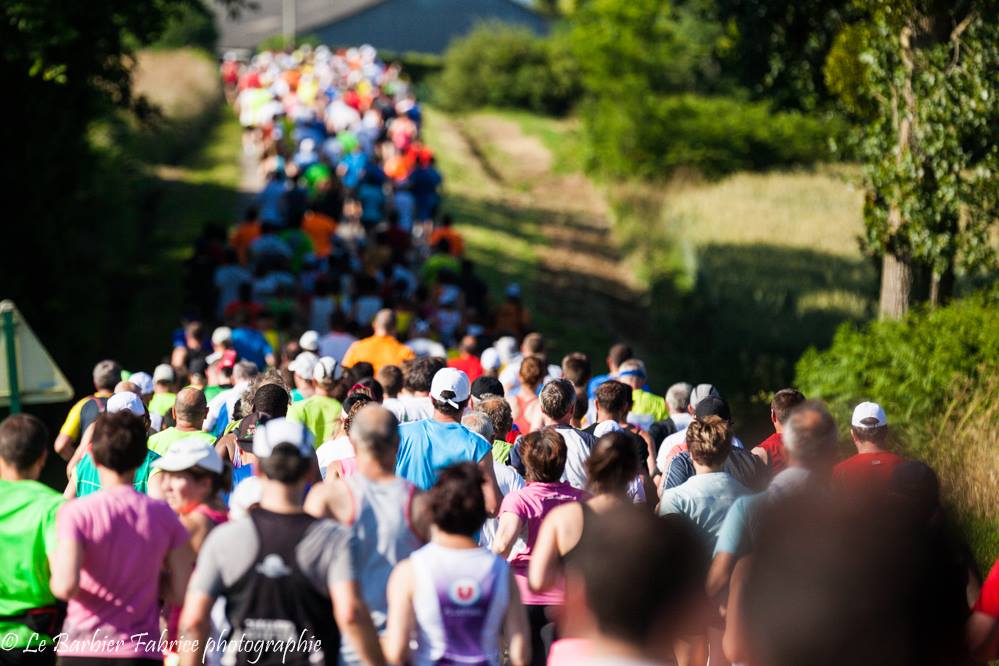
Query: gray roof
column 254, row 25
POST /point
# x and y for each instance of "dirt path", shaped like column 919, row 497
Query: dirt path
column 582, row 287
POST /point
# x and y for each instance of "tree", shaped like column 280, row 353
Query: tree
column 921, row 75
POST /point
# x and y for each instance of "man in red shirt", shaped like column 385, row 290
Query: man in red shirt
column 869, row 428
column 467, row 361
column 771, row 450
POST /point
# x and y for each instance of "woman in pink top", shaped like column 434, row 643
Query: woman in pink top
column 113, row 546
column 521, row 514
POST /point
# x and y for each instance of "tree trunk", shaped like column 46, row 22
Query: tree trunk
column 896, row 285
column 942, row 287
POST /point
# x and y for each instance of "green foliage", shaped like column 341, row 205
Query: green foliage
column 279, row 43
column 715, row 135
column 912, row 366
column 922, row 75
column 506, row 66
column 190, row 25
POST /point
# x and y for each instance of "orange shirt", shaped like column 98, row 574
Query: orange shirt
column 319, row 228
column 379, row 351
column 242, row 236
column 454, row 239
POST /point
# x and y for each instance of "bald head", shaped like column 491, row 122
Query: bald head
column 810, row 435
column 191, row 407
column 374, row 431
column 384, row 322
column 127, row 387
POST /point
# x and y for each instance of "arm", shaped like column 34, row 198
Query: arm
column 154, row 484
column 65, row 446
column 544, row 567
column 734, row 641
column 65, row 580
column 401, row 619
column 516, row 628
column 720, row 573
column 195, row 621
column 509, row 528
column 179, row 564
column 650, row 445
column 982, row 631
column 80, row 450
column 490, row 487
column 330, row 499
column 354, row 620
column 419, row 516
column 761, row 453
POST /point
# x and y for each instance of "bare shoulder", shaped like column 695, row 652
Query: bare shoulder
column 330, row 499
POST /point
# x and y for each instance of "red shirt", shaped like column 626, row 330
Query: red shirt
column 468, row 364
column 776, row 455
column 988, row 598
column 865, row 467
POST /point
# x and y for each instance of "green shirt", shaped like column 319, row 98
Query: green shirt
column 27, row 534
column 162, row 403
column 162, row 441
column 319, row 413
column 212, row 391
column 644, row 402
column 89, row 481
column 501, row 451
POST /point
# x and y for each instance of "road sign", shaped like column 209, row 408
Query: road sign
column 28, row 375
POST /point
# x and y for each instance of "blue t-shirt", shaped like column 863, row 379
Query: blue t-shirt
column 427, row 446
column 251, row 345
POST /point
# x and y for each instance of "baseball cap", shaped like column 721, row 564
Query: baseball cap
column 221, row 335
column 490, row 359
column 279, row 431
column 143, row 380
column 126, row 401
column 309, row 341
column 188, row 453
column 228, row 360
column 483, row 385
column 327, row 368
column 702, row 391
column 507, row 347
column 712, row 406
column 163, row 373
column 304, row 365
column 453, row 380
column 868, row 415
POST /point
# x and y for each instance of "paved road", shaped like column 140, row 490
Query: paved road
column 254, row 25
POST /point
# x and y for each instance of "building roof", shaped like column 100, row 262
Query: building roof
column 252, row 26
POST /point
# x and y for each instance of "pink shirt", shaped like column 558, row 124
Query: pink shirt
column 125, row 537
column 531, row 504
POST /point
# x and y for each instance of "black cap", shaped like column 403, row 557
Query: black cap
column 483, row 385
column 712, row 406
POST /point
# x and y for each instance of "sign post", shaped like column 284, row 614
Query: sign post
column 7, row 308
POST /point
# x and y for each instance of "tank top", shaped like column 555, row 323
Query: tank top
column 460, row 600
column 274, row 600
column 385, row 537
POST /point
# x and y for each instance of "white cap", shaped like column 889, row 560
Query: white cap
column 490, row 359
column 282, row 431
column 327, row 368
column 304, row 364
column 143, row 380
column 507, row 347
column 604, row 427
column 188, row 453
column 702, row 391
column 126, row 401
column 309, row 341
column 163, row 373
column 453, row 380
column 221, row 335
column 244, row 496
column 868, row 415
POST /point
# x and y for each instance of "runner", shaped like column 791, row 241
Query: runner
column 506, row 477
column 106, row 375
column 113, row 544
column 288, row 570
column 381, row 348
column 558, row 400
column 458, row 598
column 429, row 445
column 771, row 450
column 544, row 456
column 525, row 404
column 189, row 412
column 872, row 462
column 382, row 510
column 646, row 407
column 337, row 456
column 320, row 412
column 29, row 616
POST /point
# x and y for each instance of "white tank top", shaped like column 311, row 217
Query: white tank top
column 460, row 601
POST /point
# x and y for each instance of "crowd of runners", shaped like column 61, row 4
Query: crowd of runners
column 350, row 453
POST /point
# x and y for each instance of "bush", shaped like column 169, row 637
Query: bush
column 914, row 366
column 500, row 65
column 658, row 134
column 190, row 25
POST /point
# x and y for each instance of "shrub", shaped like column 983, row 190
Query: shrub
column 913, row 366
column 507, row 66
column 655, row 135
column 190, row 25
